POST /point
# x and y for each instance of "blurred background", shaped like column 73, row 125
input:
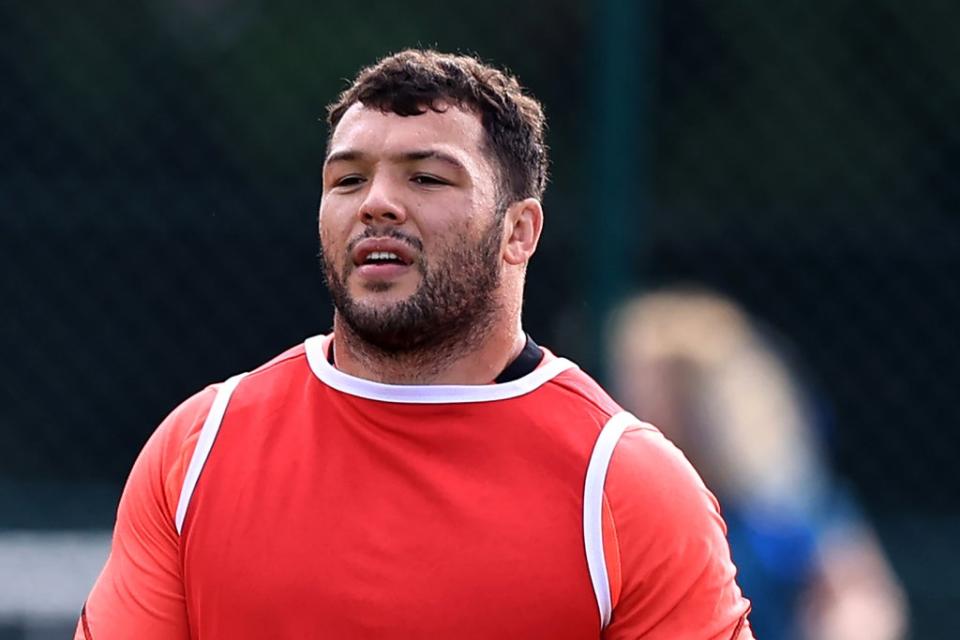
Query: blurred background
column 159, row 176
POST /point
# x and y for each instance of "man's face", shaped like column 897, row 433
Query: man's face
column 410, row 239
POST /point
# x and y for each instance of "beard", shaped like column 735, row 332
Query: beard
column 450, row 312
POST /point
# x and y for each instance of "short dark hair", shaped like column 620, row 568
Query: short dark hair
column 411, row 81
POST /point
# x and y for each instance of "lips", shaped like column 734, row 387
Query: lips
column 382, row 251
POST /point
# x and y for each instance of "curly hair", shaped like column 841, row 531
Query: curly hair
column 411, row 81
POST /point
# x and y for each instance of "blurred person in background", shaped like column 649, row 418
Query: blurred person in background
column 694, row 364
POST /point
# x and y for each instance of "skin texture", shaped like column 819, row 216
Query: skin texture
column 427, row 185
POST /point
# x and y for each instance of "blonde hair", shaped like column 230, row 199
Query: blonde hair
column 753, row 430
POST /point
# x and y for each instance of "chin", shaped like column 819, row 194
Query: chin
column 380, row 297
column 376, row 287
column 383, row 290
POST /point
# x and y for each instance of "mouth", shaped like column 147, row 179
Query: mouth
column 381, row 258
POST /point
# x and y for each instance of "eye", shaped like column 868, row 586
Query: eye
column 348, row 181
column 427, row 180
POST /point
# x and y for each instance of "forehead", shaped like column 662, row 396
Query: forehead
column 371, row 131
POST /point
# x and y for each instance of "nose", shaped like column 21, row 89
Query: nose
column 382, row 204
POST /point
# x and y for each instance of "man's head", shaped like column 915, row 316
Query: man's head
column 413, row 81
column 430, row 206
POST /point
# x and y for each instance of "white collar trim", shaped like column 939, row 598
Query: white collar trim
column 316, row 350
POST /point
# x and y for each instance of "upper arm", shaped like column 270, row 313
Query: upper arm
column 140, row 591
column 676, row 576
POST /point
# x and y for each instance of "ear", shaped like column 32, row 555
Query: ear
column 523, row 223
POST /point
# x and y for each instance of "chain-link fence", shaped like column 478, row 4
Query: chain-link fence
column 806, row 162
column 159, row 169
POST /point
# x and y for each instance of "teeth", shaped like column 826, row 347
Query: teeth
column 382, row 255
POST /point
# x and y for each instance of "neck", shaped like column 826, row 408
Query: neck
column 477, row 358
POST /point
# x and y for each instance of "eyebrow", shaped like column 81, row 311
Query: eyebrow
column 351, row 155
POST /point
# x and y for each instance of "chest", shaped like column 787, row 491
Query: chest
column 356, row 520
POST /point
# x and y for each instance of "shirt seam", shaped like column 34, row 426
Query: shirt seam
column 619, row 551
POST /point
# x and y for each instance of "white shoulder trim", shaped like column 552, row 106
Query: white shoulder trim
column 426, row 394
column 208, row 433
column 593, row 509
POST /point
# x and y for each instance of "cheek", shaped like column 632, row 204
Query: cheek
column 329, row 221
column 446, row 239
column 460, row 218
column 324, row 234
column 329, row 243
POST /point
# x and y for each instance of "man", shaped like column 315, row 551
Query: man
column 427, row 470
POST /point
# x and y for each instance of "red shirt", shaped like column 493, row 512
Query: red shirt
column 329, row 506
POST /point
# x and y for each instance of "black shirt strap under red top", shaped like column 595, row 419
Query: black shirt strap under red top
column 528, row 359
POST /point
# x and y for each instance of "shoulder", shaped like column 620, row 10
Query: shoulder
column 290, row 363
column 269, row 384
column 648, row 471
column 577, row 388
column 168, row 451
column 675, row 564
column 296, row 353
column 152, row 491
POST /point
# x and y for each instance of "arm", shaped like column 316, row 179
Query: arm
column 855, row 593
column 140, row 592
column 676, row 578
